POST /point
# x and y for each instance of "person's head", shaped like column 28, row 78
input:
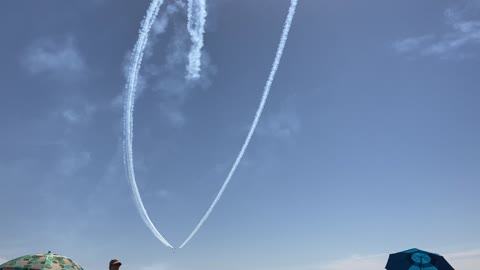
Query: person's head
column 114, row 264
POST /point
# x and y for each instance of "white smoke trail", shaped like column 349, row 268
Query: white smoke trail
column 276, row 62
column 146, row 25
column 197, row 14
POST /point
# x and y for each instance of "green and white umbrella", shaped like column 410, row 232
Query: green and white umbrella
column 47, row 261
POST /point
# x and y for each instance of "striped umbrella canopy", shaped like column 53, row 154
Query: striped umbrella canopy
column 48, row 261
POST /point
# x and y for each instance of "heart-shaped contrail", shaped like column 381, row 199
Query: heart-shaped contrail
column 268, row 85
column 137, row 58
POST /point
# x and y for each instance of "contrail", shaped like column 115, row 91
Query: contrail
column 276, row 62
column 137, row 57
column 197, row 14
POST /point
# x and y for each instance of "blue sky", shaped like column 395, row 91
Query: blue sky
column 368, row 144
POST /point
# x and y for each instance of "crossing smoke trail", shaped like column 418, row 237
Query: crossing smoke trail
column 276, row 62
column 146, row 25
column 197, row 14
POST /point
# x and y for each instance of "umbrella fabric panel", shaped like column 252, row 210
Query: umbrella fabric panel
column 41, row 262
column 416, row 259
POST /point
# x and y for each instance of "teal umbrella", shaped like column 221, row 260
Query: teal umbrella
column 48, row 261
column 416, row 259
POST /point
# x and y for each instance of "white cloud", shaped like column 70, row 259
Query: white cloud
column 78, row 115
column 161, row 194
column 411, row 43
column 464, row 254
column 284, row 124
column 107, row 184
column 222, row 168
column 59, row 57
column 73, row 112
column 71, row 162
column 453, row 44
column 159, row 28
column 71, row 115
column 174, row 115
column 2, row 260
column 355, row 262
column 465, row 33
column 465, row 260
column 161, row 24
column 118, row 101
column 167, row 77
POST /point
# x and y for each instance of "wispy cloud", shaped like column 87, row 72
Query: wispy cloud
column 465, row 32
column 464, row 254
column 167, row 77
column 465, row 260
column 453, row 44
column 71, row 162
column 78, row 114
column 159, row 28
column 161, row 25
column 170, row 81
column 173, row 114
column 106, row 184
column 356, row 262
column 73, row 114
column 411, row 43
column 159, row 194
column 222, row 168
column 58, row 57
column 283, row 124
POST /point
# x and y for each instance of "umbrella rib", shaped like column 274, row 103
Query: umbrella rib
column 48, row 259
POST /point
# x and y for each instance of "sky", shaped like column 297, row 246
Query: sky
column 368, row 145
